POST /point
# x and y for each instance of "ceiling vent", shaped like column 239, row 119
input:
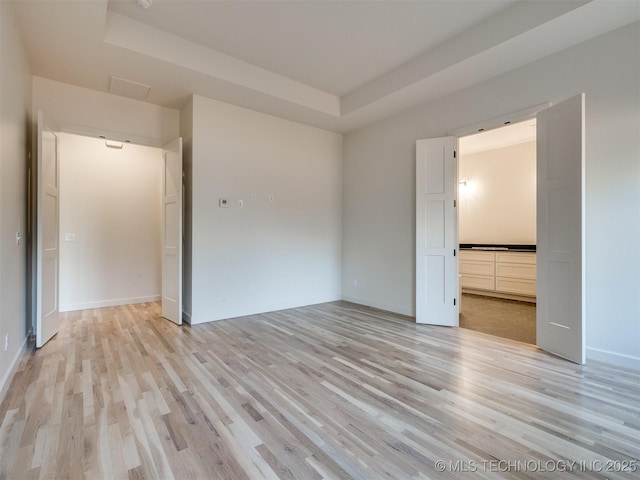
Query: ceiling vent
column 127, row 88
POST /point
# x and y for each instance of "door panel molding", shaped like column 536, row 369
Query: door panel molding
column 437, row 299
column 560, row 322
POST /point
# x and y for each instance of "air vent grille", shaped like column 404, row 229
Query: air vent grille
column 128, row 88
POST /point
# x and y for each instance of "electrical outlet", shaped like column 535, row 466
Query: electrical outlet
column 18, row 239
column 223, row 203
column 69, row 237
column 240, row 203
column 271, row 198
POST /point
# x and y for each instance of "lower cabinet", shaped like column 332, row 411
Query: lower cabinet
column 503, row 274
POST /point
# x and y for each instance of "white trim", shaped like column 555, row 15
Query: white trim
column 85, row 131
column 613, row 358
column 501, row 121
column 409, row 312
column 186, row 317
column 11, row 371
column 109, row 303
column 243, row 311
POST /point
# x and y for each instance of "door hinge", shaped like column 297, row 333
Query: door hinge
column 454, row 204
column 454, row 302
column 454, row 154
column 454, row 252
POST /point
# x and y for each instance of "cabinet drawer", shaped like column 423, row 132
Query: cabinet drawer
column 518, row 287
column 516, row 270
column 478, row 282
column 516, row 257
column 475, row 256
column 477, row 268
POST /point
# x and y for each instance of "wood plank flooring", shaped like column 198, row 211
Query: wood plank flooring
column 327, row 391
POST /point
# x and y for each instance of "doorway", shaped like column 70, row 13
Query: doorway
column 110, row 223
column 560, row 227
column 497, row 231
column 47, row 238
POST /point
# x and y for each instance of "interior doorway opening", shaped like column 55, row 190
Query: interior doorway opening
column 110, row 223
column 560, row 209
column 497, row 231
column 45, row 236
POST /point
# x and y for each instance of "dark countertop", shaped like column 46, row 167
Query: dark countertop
column 498, row 247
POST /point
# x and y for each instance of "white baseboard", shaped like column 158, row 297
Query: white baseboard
column 234, row 312
column 109, row 303
column 613, row 358
column 186, row 317
column 11, row 371
column 409, row 312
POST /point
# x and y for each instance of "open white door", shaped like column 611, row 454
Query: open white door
column 560, row 229
column 436, row 232
column 47, row 221
column 172, row 231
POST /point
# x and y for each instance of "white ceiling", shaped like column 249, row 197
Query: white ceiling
column 333, row 46
column 333, row 64
column 513, row 134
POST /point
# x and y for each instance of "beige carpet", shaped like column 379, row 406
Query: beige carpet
column 502, row 318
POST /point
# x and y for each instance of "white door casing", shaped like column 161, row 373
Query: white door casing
column 436, row 232
column 47, row 231
column 560, row 229
column 172, row 199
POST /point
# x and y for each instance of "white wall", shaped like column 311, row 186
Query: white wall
column 379, row 184
column 498, row 202
column 112, row 201
column 15, row 105
column 88, row 112
column 267, row 255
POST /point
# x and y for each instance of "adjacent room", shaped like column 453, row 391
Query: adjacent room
column 110, row 223
column 319, row 240
column 497, row 231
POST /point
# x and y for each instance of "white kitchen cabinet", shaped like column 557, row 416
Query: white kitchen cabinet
column 477, row 270
column 499, row 274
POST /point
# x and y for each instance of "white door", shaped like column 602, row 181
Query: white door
column 47, row 221
column 172, row 231
column 436, row 232
column 560, row 229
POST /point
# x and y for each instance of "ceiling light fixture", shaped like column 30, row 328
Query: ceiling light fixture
column 113, row 144
column 146, row 4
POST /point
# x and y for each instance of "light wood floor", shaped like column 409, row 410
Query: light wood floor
column 328, row 391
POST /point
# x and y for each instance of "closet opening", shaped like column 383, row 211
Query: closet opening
column 110, row 223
